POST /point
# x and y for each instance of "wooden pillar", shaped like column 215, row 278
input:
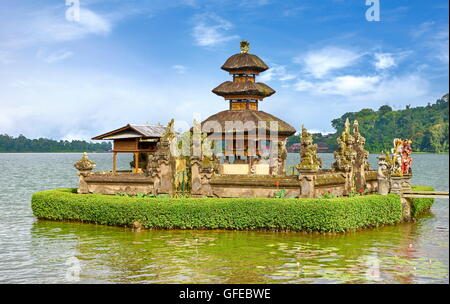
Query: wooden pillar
column 114, row 161
column 136, row 161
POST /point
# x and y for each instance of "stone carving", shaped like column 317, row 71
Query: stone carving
column 397, row 157
column 362, row 155
column 169, row 135
column 361, row 164
column 401, row 157
column 307, row 185
column 84, row 167
column 278, row 156
column 400, row 183
column 383, row 166
column 282, row 154
column 84, row 164
column 345, row 155
column 204, row 163
column 161, row 165
column 406, row 157
column 383, row 174
column 245, row 46
column 396, row 167
column 352, row 158
column 308, row 153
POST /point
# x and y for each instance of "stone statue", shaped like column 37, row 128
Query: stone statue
column 383, row 166
column 170, row 132
column 84, row 167
column 361, row 164
column 274, row 163
column 345, row 155
column 406, row 157
column 360, row 141
column 161, row 165
column 281, row 160
column 400, row 160
column 84, row 164
column 308, row 153
column 383, row 174
column 397, row 157
column 396, row 167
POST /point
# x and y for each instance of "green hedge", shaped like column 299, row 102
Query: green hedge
column 323, row 215
column 420, row 205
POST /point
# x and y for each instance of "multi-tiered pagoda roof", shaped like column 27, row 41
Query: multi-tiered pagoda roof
column 244, row 93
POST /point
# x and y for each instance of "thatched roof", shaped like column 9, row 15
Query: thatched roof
column 284, row 129
column 244, row 62
column 133, row 131
column 243, row 88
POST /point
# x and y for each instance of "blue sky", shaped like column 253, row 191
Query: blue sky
column 150, row 61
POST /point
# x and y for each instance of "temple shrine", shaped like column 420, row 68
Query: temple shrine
column 246, row 133
column 241, row 152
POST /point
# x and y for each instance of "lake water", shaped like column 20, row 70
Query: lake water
column 39, row 251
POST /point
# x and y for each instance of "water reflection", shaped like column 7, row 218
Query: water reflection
column 112, row 254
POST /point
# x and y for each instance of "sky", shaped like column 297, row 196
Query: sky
column 66, row 75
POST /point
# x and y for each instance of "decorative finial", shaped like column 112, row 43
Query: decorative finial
column 347, row 126
column 84, row 164
column 355, row 127
column 245, row 46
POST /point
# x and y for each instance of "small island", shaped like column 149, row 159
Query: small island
column 229, row 172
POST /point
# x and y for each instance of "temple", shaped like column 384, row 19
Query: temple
column 241, row 152
column 245, row 133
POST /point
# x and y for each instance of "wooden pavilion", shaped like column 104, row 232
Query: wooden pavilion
column 134, row 139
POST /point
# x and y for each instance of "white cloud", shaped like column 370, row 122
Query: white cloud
column 49, row 26
column 94, row 23
column 384, row 61
column 253, row 3
column 440, row 44
column 287, row 77
column 303, row 85
column 85, row 103
column 292, row 12
column 180, row 69
column 54, row 56
column 210, row 30
column 276, row 72
column 325, row 99
column 321, row 62
column 342, row 85
column 435, row 38
column 422, row 29
column 5, row 57
column 368, row 89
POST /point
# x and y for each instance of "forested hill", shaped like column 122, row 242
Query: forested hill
column 426, row 126
column 23, row 144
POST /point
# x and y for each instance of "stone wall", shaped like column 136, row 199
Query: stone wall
column 253, row 186
column 120, row 182
column 217, row 185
